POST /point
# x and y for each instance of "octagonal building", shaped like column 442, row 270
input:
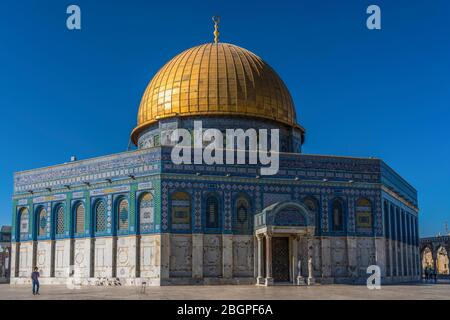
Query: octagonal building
column 137, row 217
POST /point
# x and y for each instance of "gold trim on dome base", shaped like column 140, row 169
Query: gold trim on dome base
column 216, row 79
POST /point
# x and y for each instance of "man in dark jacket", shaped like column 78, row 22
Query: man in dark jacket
column 35, row 279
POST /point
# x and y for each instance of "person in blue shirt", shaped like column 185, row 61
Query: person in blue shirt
column 35, row 279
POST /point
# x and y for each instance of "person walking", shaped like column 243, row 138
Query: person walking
column 35, row 280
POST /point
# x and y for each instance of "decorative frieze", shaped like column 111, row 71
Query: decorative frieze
column 77, row 195
column 145, row 186
column 101, row 192
column 58, row 197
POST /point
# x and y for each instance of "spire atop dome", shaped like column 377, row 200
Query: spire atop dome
column 216, row 20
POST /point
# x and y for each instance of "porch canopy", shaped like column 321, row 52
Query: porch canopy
column 285, row 217
column 290, row 221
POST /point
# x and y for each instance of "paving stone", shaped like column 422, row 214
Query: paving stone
column 440, row 290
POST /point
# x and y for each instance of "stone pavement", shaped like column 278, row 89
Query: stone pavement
column 390, row 292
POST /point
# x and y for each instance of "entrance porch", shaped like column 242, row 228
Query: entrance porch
column 278, row 230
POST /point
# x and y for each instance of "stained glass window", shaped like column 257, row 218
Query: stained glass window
column 60, row 220
column 313, row 206
column 337, row 215
column 363, row 215
column 24, row 222
column 100, row 216
column 79, row 219
column 123, row 215
column 212, row 212
column 181, row 211
column 146, row 212
column 242, row 210
column 42, row 222
column 242, row 214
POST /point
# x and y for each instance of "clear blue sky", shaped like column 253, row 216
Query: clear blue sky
column 358, row 92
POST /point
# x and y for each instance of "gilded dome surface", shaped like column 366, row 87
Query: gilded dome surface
column 215, row 79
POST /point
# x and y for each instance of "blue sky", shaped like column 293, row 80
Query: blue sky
column 357, row 92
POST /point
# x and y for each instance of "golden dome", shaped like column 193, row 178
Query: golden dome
column 212, row 80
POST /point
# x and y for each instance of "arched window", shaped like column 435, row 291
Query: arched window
column 212, row 212
column 242, row 214
column 60, row 220
column 122, row 215
column 42, row 222
column 427, row 259
column 363, row 215
column 442, row 261
column 181, row 211
column 79, row 219
column 24, row 227
column 146, row 212
column 100, row 217
column 313, row 206
column 337, row 215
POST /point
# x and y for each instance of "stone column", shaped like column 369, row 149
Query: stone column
column 448, row 249
column 165, row 256
column 420, row 265
column 395, row 262
column 133, row 268
column 294, row 261
column 416, row 257
column 391, row 256
column 52, row 258
column 311, row 279
column 260, row 255
column 137, row 256
column 90, row 257
column 401, row 243
column 14, row 258
column 8, row 262
column 68, row 262
column 111, row 257
column 269, row 279
column 256, row 258
column 380, row 255
column 34, row 247
column 406, row 244
column 227, row 256
column 299, row 261
column 419, row 262
column 326, row 260
column 413, row 249
column 352, row 258
column 197, row 256
column 434, row 255
column 410, row 248
column 416, row 244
